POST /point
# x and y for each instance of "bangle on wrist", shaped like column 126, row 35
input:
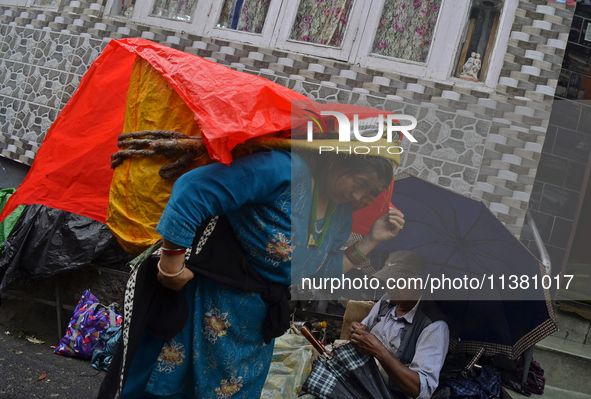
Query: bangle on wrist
column 165, row 274
column 350, row 256
column 170, row 251
column 355, row 256
column 359, row 253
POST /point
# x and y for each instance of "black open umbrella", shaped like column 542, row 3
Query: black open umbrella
column 460, row 239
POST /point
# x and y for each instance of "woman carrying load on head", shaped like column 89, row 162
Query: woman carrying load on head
column 290, row 215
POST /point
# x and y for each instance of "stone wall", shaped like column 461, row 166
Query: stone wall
column 39, row 72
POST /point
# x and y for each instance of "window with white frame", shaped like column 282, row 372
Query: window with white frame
column 243, row 15
column 181, row 10
column 17, row 3
column 325, row 28
column 405, row 29
column 47, row 3
column 321, row 21
column 416, row 37
column 170, row 14
column 248, row 21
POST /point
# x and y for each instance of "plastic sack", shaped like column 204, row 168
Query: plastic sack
column 536, row 381
column 512, row 375
column 8, row 223
column 109, row 339
column 290, row 365
column 47, row 241
column 89, row 320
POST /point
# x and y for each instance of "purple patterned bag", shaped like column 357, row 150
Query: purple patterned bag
column 85, row 327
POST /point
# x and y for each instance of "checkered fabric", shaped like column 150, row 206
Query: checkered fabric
column 475, row 358
column 346, row 359
column 533, row 337
column 326, row 373
column 466, row 389
column 321, row 381
column 545, row 329
column 487, row 385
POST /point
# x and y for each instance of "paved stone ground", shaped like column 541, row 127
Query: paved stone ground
column 22, row 362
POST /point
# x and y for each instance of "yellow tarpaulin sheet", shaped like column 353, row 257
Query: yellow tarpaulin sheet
column 138, row 194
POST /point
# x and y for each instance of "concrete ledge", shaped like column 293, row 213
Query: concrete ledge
column 549, row 393
column 567, row 364
column 574, row 349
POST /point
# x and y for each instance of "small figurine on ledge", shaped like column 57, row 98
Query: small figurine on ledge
column 471, row 68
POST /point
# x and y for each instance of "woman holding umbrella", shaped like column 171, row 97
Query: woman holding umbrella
column 291, row 215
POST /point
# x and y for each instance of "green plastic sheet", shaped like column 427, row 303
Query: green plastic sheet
column 8, row 223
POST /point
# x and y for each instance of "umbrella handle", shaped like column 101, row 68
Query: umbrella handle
column 312, row 339
column 470, row 365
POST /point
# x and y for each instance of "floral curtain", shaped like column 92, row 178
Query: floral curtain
column 181, row 10
column 322, row 21
column 244, row 15
column 406, row 29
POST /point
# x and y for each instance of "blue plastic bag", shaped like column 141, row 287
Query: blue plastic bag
column 101, row 358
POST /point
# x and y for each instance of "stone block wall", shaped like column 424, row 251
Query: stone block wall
column 39, row 72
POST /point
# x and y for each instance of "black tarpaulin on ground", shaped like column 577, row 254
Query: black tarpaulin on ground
column 47, row 241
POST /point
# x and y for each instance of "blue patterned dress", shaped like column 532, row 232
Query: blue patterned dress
column 221, row 352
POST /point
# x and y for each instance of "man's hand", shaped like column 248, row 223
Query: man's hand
column 176, row 283
column 367, row 342
column 356, row 326
column 403, row 377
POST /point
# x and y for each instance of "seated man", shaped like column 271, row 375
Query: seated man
column 406, row 333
